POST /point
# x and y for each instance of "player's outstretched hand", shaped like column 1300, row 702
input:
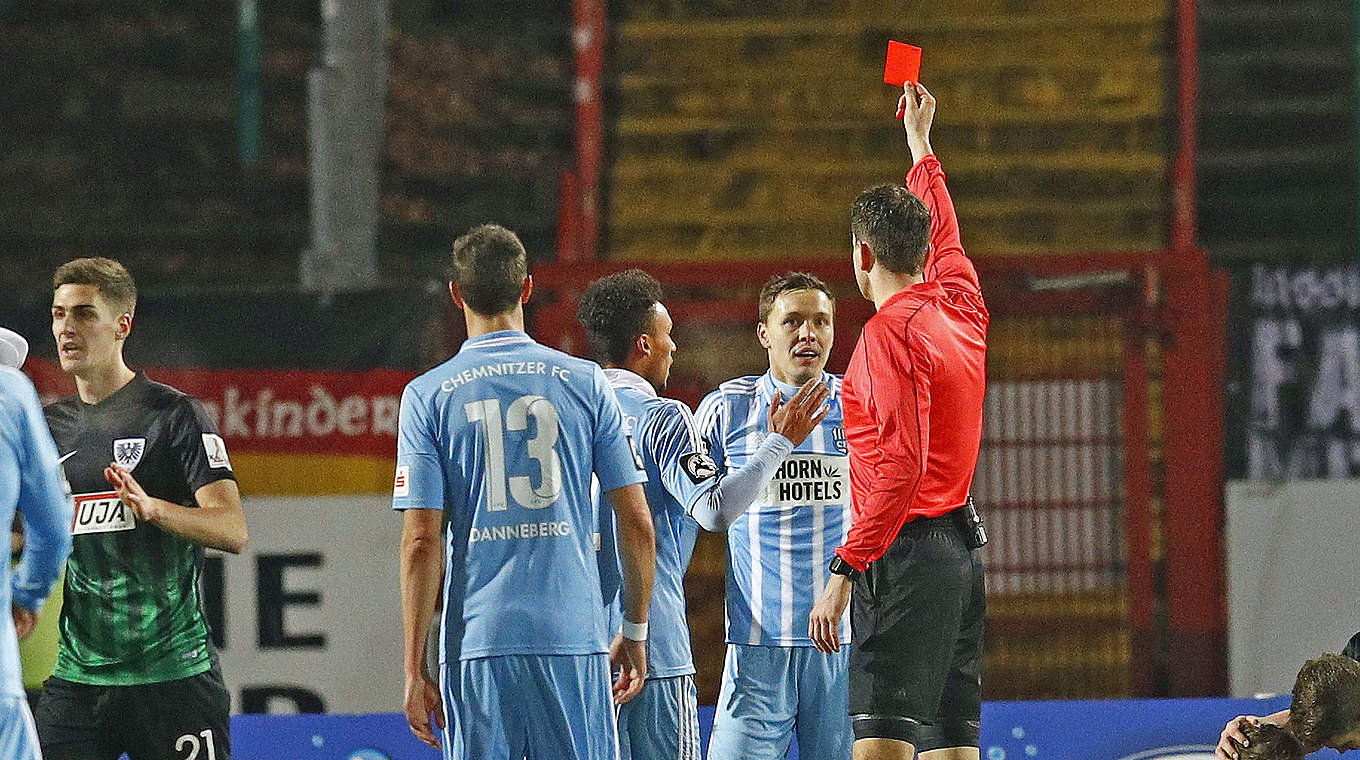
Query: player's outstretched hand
column 131, row 493
column 422, row 702
column 24, row 621
column 1232, row 738
column 824, row 624
column 802, row 414
column 629, row 660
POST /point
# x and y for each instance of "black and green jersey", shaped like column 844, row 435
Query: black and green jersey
column 131, row 612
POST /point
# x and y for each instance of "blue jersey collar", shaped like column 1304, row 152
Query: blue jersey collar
column 619, row 377
column 768, row 385
column 498, row 339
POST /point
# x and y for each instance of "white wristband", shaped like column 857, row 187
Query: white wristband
column 634, row 631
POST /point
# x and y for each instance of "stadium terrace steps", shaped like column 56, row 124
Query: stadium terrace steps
column 1277, row 143
column 865, row 9
column 121, row 137
column 479, row 129
column 120, row 140
column 746, row 134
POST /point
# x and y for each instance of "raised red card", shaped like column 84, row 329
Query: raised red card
column 903, row 64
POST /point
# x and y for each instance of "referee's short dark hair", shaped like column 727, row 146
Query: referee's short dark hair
column 787, row 283
column 112, row 279
column 1326, row 702
column 895, row 224
column 489, row 266
column 615, row 310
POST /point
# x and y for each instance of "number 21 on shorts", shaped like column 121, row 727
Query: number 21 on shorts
column 190, row 743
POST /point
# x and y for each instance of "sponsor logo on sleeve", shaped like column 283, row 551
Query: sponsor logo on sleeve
column 216, row 449
column 101, row 513
column 127, row 452
column 698, row 466
column 401, row 484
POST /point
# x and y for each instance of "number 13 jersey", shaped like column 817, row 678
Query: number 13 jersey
column 504, row 438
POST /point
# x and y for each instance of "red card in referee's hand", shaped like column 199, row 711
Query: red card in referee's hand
column 903, row 64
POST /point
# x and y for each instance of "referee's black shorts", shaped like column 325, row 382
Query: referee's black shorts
column 917, row 617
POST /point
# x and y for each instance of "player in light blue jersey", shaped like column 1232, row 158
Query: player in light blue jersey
column 629, row 331
column 775, row 682
column 31, row 483
column 503, row 439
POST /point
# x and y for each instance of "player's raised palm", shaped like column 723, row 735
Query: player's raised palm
column 131, row 493
column 802, row 414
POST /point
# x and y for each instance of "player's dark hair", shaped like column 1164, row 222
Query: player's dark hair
column 1267, row 741
column 895, row 224
column 787, row 283
column 615, row 310
column 1326, row 699
column 109, row 276
column 489, row 266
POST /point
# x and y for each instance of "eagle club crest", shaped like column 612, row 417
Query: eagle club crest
column 128, row 451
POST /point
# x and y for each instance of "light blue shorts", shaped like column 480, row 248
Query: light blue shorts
column 529, row 707
column 769, row 693
column 661, row 722
column 18, row 735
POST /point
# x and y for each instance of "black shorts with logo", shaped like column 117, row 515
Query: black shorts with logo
column 185, row 719
column 917, row 616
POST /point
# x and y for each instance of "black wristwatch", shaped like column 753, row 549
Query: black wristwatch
column 841, row 567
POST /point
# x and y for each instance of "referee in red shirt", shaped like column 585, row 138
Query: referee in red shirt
column 913, row 421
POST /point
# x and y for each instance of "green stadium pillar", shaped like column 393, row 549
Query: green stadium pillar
column 249, row 98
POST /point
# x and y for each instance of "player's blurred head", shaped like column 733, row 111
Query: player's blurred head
column 490, row 268
column 895, row 225
column 1326, row 706
column 1266, row 741
column 797, row 325
column 627, row 326
column 93, row 301
column 13, row 349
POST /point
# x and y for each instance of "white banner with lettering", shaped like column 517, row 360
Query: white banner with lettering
column 311, row 610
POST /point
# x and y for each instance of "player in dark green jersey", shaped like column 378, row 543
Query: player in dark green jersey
column 135, row 670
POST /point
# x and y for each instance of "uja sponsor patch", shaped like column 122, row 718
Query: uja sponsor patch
column 101, row 513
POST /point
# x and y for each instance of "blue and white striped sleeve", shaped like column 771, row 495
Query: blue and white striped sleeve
column 687, row 471
column 709, row 420
column 736, row 490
